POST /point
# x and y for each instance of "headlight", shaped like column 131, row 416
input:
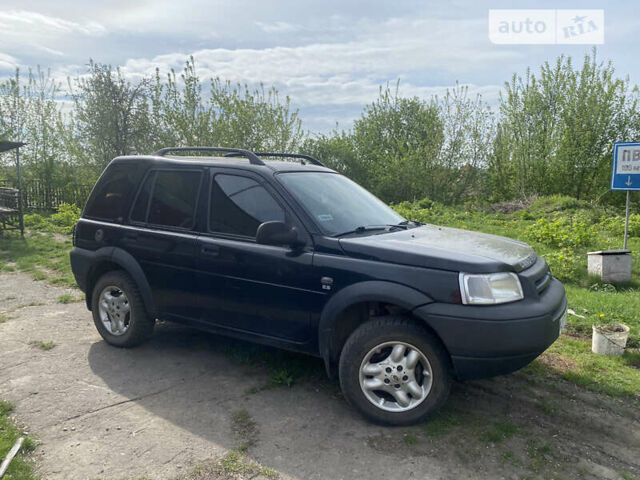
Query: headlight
column 490, row 288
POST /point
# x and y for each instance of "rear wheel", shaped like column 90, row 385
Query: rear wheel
column 118, row 310
column 394, row 371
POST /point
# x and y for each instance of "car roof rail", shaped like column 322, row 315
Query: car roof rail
column 253, row 158
column 309, row 158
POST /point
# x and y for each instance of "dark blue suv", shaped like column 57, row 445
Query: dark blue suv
column 294, row 255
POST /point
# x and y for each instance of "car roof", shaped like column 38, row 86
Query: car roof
column 216, row 161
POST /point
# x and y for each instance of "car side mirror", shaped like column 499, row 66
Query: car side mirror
column 276, row 233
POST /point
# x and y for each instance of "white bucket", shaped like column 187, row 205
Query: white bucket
column 609, row 339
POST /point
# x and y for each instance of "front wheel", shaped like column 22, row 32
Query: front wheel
column 394, row 371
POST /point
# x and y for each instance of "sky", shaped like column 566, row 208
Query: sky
column 329, row 57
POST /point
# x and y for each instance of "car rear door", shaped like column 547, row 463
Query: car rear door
column 162, row 236
column 242, row 285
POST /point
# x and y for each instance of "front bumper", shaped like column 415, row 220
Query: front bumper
column 485, row 341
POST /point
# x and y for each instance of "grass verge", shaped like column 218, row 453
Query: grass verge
column 20, row 467
column 39, row 254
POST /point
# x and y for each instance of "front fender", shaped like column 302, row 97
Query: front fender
column 370, row 291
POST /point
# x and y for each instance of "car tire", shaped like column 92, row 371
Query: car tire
column 119, row 312
column 394, row 371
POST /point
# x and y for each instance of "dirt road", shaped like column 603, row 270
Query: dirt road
column 185, row 399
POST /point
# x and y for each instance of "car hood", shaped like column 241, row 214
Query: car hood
column 443, row 248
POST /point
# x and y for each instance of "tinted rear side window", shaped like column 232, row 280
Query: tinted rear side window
column 173, row 202
column 112, row 192
column 141, row 207
column 239, row 205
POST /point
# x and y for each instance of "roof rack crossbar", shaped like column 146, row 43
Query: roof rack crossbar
column 253, row 158
column 309, row 158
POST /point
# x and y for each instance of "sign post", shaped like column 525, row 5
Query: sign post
column 626, row 175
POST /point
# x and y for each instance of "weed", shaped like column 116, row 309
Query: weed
column 42, row 345
column 443, row 422
column 31, row 304
column 234, row 464
column 66, row 298
column 547, row 406
column 410, row 439
column 538, row 453
column 499, row 431
column 245, row 428
column 509, row 457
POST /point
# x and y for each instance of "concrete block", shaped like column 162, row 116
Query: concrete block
column 611, row 266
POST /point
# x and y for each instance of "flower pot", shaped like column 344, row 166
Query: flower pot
column 609, row 339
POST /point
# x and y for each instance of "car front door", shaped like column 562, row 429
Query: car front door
column 245, row 286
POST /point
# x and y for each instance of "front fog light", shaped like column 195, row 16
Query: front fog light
column 490, row 288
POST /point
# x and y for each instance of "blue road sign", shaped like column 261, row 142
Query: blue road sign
column 626, row 166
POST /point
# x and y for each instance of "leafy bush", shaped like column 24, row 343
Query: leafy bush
column 561, row 232
column 564, row 264
column 615, row 225
column 60, row 222
column 66, row 217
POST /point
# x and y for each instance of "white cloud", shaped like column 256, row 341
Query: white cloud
column 277, row 27
column 350, row 73
column 22, row 21
column 27, row 34
column 8, row 62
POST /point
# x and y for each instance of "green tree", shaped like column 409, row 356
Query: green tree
column 183, row 113
column 557, row 129
column 29, row 113
column 111, row 115
column 397, row 141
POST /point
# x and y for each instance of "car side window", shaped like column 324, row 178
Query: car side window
column 168, row 198
column 110, row 195
column 141, row 206
column 240, row 204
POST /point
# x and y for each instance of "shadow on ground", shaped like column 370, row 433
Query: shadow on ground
column 514, row 426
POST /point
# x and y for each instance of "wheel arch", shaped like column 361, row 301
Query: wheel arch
column 352, row 304
column 118, row 259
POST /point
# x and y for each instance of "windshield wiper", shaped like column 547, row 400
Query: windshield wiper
column 369, row 228
column 410, row 222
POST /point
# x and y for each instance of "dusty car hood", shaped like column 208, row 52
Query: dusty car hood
column 443, row 248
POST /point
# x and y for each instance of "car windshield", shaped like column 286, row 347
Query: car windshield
column 337, row 204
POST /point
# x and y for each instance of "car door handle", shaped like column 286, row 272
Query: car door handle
column 210, row 250
column 130, row 237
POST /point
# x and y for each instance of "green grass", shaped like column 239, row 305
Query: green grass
column 42, row 345
column 622, row 306
column 38, row 254
column 538, row 453
column 284, row 368
column 66, row 298
column 499, row 431
column 236, row 463
column 444, row 421
column 613, row 375
column 20, row 467
column 245, row 428
column 410, row 439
